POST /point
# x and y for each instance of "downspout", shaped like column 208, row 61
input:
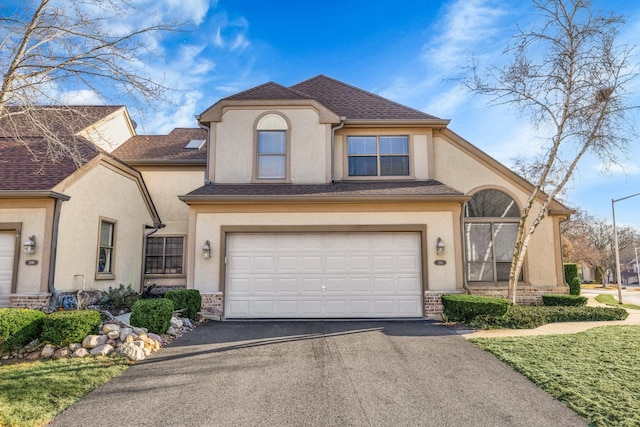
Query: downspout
column 53, row 255
column 147, row 233
column 333, row 134
column 208, row 129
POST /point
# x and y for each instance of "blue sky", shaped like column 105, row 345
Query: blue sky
column 409, row 51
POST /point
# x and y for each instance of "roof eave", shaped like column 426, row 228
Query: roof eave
column 214, row 113
column 431, row 123
column 33, row 194
column 236, row 199
column 185, row 162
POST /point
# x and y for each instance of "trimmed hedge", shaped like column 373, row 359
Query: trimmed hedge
column 564, row 300
column 463, row 308
column 529, row 317
column 19, row 326
column 153, row 314
column 66, row 327
column 572, row 278
column 187, row 300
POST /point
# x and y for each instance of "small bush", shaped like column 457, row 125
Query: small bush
column 529, row 317
column 187, row 300
column 65, row 327
column 18, row 327
column 462, row 308
column 153, row 314
column 572, row 278
column 575, row 285
column 120, row 298
column 564, row 300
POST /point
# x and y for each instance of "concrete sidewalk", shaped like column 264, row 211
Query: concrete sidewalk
column 553, row 328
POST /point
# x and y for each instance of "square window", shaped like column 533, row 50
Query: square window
column 164, row 255
column 378, row 155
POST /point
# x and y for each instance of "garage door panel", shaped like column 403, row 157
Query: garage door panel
column 7, row 249
column 323, row 275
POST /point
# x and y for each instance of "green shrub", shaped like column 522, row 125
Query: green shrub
column 564, row 300
column 462, row 308
column 572, row 278
column 529, row 317
column 120, row 298
column 187, row 300
column 19, row 326
column 65, row 327
column 153, row 314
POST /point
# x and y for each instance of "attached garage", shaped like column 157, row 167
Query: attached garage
column 7, row 250
column 324, row 274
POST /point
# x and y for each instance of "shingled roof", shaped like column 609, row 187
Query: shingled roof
column 356, row 104
column 23, row 168
column 337, row 190
column 270, row 90
column 164, row 148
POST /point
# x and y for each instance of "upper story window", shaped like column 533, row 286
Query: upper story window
column 272, row 148
column 106, row 249
column 491, row 226
column 378, row 155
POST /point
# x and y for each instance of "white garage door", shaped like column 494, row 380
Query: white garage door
column 323, row 275
column 7, row 248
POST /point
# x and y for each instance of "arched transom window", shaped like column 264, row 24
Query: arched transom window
column 490, row 227
column 271, row 150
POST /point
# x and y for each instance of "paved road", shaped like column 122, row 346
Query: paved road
column 630, row 295
column 319, row 374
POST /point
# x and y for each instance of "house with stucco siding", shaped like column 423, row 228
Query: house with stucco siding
column 322, row 200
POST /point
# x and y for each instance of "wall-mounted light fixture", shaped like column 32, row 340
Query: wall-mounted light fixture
column 439, row 246
column 30, row 245
column 206, row 250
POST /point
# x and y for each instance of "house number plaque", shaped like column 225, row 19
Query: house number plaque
column 31, row 262
column 439, row 262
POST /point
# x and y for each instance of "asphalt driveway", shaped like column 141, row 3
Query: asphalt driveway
column 319, row 374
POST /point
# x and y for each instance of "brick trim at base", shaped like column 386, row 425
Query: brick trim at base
column 212, row 304
column 35, row 302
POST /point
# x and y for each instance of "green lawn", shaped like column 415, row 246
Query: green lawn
column 610, row 300
column 596, row 373
column 33, row 393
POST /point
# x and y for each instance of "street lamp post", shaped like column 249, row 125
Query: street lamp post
column 615, row 240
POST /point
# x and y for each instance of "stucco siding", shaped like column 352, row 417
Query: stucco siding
column 111, row 132
column 207, row 225
column 456, row 168
column 235, row 139
column 107, row 193
column 35, row 217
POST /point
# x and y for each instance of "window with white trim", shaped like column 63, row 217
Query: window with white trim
column 491, row 220
column 378, row 155
column 164, row 255
column 271, row 150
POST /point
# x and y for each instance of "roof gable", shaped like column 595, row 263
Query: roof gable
column 270, row 90
column 355, row 103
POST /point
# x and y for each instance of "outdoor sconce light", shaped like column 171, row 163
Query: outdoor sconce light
column 30, row 245
column 439, row 246
column 206, row 250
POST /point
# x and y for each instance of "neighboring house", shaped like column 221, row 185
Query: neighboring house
column 67, row 226
column 171, row 165
column 323, row 200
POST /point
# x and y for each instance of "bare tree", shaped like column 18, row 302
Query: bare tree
column 47, row 46
column 569, row 77
column 590, row 241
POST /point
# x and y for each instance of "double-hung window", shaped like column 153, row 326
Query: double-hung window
column 272, row 148
column 106, row 249
column 378, row 155
column 164, row 255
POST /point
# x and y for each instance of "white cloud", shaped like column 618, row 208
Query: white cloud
column 80, row 97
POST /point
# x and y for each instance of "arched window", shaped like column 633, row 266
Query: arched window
column 490, row 228
column 271, row 148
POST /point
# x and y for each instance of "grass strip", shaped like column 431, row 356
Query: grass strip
column 608, row 299
column 595, row 373
column 31, row 394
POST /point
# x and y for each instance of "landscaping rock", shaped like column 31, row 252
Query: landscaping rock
column 114, row 335
column 171, row 331
column 176, row 323
column 124, row 332
column 139, row 331
column 101, row 350
column 131, row 351
column 155, row 337
column 61, row 353
column 110, row 327
column 187, row 323
column 93, row 341
column 33, row 356
column 80, row 352
column 75, row 346
column 112, row 343
column 47, row 351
